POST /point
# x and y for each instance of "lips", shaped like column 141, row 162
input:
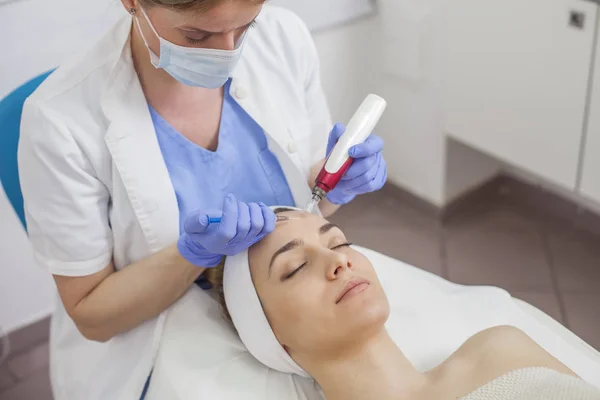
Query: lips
column 353, row 283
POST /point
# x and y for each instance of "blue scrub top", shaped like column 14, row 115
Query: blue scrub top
column 242, row 164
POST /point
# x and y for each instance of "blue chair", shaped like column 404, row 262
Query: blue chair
column 11, row 108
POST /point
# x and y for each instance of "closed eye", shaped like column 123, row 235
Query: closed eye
column 347, row 244
column 294, row 272
column 193, row 41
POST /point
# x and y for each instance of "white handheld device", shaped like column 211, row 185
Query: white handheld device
column 359, row 128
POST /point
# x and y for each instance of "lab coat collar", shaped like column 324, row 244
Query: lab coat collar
column 135, row 151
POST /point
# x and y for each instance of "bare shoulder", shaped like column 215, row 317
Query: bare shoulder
column 505, row 348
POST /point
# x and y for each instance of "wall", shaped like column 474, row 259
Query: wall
column 345, row 53
column 36, row 35
column 320, row 15
column 26, row 292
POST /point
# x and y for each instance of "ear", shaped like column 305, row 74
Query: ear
column 278, row 337
column 129, row 5
column 287, row 349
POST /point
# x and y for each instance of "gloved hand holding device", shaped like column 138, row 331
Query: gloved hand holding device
column 368, row 172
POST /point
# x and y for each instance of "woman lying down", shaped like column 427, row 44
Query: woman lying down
column 304, row 301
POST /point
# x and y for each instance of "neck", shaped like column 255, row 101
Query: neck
column 375, row 370
column 161, row 89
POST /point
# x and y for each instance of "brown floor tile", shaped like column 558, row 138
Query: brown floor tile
column 359, row 210
column 36, row 387
column 7, row 379
column 497, row 245
column 583, row 316
column 29, row 336
column 27, row 363
column 576, row 259
column 382, row 223
column 547, row 302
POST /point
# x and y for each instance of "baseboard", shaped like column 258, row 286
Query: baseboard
column 413, row 200
column 30, row 335
column 41, row 315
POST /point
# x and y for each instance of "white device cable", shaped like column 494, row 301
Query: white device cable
column 5, row 347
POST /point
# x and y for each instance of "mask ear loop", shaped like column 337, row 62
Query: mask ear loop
column 149, row 23
column 137, row 21
column 154, row 59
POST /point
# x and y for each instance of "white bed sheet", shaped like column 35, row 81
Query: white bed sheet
column 201, row 356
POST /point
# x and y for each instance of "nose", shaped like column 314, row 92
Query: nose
column 337, row 264
column 227, row 41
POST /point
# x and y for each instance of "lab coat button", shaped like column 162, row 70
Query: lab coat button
column 241, row 92
column 292, row 148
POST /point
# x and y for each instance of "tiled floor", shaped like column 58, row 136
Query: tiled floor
column 546, row 262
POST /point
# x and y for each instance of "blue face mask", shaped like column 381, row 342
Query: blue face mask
column 207, row 68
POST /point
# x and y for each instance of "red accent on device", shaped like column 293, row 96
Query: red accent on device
column 327, row 181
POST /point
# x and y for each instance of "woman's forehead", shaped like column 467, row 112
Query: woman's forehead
column 295, row 221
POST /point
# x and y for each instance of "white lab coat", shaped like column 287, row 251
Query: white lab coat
column 96, row 186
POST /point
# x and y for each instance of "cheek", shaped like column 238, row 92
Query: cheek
column 378, row 304
column 293, row 310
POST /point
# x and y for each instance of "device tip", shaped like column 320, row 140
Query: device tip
column 315, row 199
column 311, row 206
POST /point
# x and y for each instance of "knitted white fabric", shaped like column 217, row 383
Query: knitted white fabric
column 535, row 384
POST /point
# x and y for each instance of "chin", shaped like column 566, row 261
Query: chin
column 370, row 314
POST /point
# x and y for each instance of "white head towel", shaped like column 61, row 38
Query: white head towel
column 249, row 318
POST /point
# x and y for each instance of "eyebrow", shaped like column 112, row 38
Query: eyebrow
column 326, row 228
column 297, row 242
column 198, row 30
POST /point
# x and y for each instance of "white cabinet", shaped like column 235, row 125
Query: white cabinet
column 516, row 82
column 590, row 167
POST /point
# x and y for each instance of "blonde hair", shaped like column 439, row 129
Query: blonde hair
column 215, row 277
column 197, row 5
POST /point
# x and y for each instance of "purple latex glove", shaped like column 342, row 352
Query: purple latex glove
column 367, row 173
column 242, row 225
